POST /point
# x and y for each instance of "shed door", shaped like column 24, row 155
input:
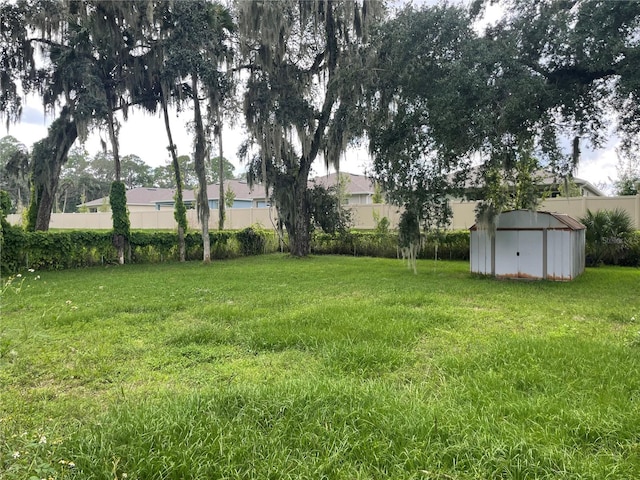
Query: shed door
column 519, row 253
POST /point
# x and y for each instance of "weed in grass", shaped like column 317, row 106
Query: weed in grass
column 624, row 317
column 634, row 340
column 32, row 455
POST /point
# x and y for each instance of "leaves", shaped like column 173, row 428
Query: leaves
column 304, row 67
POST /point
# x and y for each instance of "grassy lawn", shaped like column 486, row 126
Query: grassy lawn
column 327, row 367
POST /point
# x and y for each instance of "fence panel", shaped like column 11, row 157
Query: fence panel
column 363, row 216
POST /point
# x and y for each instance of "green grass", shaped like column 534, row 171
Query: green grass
column 327, row 367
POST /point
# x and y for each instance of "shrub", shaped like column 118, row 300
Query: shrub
column 631, row 257
column 609, row 235
column 451, row 246
column 78, row 248
column 252, row 242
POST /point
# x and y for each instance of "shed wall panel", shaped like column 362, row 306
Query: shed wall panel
column 559, row 250
column 529, row 254
column 480, row 254
column 506, row 248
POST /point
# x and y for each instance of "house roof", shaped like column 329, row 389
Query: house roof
column 357, row 184
column 240, row 188
column 138, row 196
column 545, row 178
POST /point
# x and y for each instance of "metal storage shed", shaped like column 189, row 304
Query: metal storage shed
column 528, row 244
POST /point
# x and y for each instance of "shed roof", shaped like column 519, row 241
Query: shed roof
column 569, row 221
column 523, row 219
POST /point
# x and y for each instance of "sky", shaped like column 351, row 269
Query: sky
column 144, row 135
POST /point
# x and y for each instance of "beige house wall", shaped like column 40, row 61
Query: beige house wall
column 363, row 216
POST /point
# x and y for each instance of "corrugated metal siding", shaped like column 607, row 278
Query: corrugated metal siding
column 531, row 245
column 480, row 255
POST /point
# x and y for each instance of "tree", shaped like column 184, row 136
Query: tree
column 424, row 102
column 14, row 171
column 303, row 62
column 586, row 55
column 628, row 170
column 228, row 170
column 327, row 211
column 197, row 48
column 442, row 94
column 135, row 172
column 91, row 58
column 47, row 157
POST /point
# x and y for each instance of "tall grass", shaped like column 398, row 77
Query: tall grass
column 328, row 367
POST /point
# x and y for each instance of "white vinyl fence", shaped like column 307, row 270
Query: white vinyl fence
column 363, row 216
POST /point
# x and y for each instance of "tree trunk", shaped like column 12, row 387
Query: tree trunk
column 61, row 136
column 179, row 211
column 299, row 235
column 45, row 208
column 119, row 240
column 64, row 203
column 181, row 245
column 221, row 201
column 199, row 161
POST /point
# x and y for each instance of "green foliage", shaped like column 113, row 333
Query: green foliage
column 229, row 197
column 76, row 248
column 378, row 194
column 5, row 207
column 631, row 257
column 14, row 171
column 228, row 169
column 252, row 242
column 609, row 236
column 382, row 224
column 628, row 170
column 119, row 211
column 326, row 209
column 569, row 188
column 180, row 212
column 628, row 186
column 32, row 210
column 410, row 238
column 300, row 98
column 370, row 244
column 451, row 245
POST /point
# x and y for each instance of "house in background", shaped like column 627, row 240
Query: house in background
column 243, row 196
column 548, row 184
column 359, row 190
column 141, row 199
column 555, row 186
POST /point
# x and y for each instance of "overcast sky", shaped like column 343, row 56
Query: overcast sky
column 144, row 135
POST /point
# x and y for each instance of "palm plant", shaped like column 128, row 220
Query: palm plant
column 608, row 236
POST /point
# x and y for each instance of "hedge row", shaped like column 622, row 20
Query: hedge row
column 71, row 249
column 630, row 257
column 450, row 245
